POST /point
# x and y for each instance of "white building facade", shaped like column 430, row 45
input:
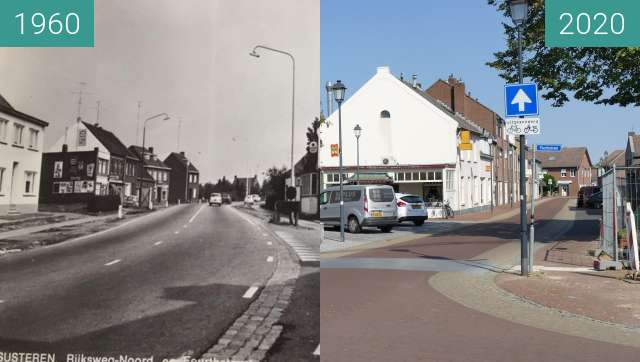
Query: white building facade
column 21, row 142
column 412, row 138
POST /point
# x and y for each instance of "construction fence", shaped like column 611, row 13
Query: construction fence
column 620, row 186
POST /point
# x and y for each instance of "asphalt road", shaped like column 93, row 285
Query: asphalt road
column 373, row 314
column 164, row 285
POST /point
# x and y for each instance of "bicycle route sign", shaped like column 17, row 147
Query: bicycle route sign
column 523, row 126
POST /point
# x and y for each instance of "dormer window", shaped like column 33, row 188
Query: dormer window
column 385, row 114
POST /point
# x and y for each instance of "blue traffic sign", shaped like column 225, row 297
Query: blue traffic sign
column 548, row 148
column 521, row 100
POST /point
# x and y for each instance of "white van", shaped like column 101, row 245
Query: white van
column 364, row 205
column 215, row 199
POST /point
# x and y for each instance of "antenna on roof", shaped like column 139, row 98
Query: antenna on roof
column 80, row 93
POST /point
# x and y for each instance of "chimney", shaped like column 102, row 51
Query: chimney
column 328, row 88
column 457, row 95
column 414, row 80
column 151, row 150
column 401, row 76
column 65, row 148
column 631, row 134
column 182, row 154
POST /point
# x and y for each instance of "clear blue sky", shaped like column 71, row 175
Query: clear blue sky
column 436, row 38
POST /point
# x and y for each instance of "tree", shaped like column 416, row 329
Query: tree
column 608, row 76
column 273, row 187
column 549, row 184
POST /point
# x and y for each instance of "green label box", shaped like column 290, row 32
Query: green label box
column 592, row 23
column 46, row 23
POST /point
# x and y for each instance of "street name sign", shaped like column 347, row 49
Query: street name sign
column 521, row 100
column 523, row 126
column 548, row 148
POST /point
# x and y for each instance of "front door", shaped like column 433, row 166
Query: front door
column 564, row 190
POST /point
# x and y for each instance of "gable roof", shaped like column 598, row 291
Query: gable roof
column 110, row 141
column 463, row 122
column 152, row 161
column 7, row 108
column 567, row 157
column 615, row 157
column 183, row 160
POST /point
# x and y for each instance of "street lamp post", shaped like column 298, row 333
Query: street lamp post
column 519, row 10
column 293, row 99
column 357, row 131
column 338, row 92
column 144, row 137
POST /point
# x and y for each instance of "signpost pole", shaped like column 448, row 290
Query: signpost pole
column 534, row 178
column 524, row 250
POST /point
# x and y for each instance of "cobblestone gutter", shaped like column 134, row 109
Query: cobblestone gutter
column 257, row 329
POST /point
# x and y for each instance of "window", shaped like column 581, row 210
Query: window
column 33, row 138
column 572, row 173
column 385, row 114
column 563, row 173
column 3, row 130
column 29, row 182
column 351, row 195
column 103, row 166
column 18, row 129
column 2, row 169
column 382, row 194
column 450, row 178
column 324, row 198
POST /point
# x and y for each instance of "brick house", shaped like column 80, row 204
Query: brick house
column 157, row 172
column 505, row 149
column 571, row 168
column 184, row 177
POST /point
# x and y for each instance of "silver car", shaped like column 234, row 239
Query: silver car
column 364, row 205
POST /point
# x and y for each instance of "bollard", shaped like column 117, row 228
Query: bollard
column 321, row 231
column 150, row 204
column 178, row 201
column 120, row 212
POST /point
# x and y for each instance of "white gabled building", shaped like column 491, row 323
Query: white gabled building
column 413, row 138
column 21, row 142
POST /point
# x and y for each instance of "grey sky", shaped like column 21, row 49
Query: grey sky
column 189, row 59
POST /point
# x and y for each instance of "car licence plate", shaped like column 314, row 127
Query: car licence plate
column 376, row 213
column 417, row 206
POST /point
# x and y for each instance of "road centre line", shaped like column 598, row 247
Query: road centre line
column 317, row 351
column 177, row 232
column 270, row 259
column 196, row 214
column 269, row 243
column 158, row 243
column 113, row 262
column 250, row 292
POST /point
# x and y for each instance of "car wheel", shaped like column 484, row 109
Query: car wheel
column 386, row 229
column 418, row 222
column 354, row 225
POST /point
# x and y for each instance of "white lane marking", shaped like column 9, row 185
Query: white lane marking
column 269, row 243
column 113, row 262
column 185, row 226
column 250, row 292
column 158, row 243
column 1, row 301
column 177, row 232
column 557, row 269
column 265, row 234
column 304, row 251
column 270, row 259
column 317, row 351
column 196, row 214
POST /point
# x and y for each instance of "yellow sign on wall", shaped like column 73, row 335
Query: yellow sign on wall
column 465, row 141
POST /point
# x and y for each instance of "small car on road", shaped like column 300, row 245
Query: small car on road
column 364, row 206
column 248, row 200
column 226, row 199
column 585, row 194
column 215, row 199
column 411, row 208
column 595, row 201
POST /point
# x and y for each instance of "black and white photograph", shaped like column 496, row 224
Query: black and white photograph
column 139, row 182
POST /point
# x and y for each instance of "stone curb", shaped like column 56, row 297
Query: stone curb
column 252, row 334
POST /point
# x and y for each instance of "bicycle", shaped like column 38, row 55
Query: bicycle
column 447, row 211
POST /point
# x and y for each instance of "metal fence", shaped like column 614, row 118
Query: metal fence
column 619, row 186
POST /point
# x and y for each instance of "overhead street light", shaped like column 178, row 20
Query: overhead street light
column 144, row 136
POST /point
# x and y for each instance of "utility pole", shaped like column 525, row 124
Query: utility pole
column 98, row 112
column 138, row 122
column 80, row 93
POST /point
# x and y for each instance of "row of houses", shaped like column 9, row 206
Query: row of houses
column 438, row 142
column 86, row 162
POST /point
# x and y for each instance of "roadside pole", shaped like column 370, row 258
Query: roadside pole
column 533, row 208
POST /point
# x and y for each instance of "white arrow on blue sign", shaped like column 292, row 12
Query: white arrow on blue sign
column 521, row 100
column 548, row 148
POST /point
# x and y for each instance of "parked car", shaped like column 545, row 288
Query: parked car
column 595, row 201
column 585, row 193
column 364, row 206
column 226, row 199
column 215, row 199
column 411, row 208
column 248, row 200
column 256, row 198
